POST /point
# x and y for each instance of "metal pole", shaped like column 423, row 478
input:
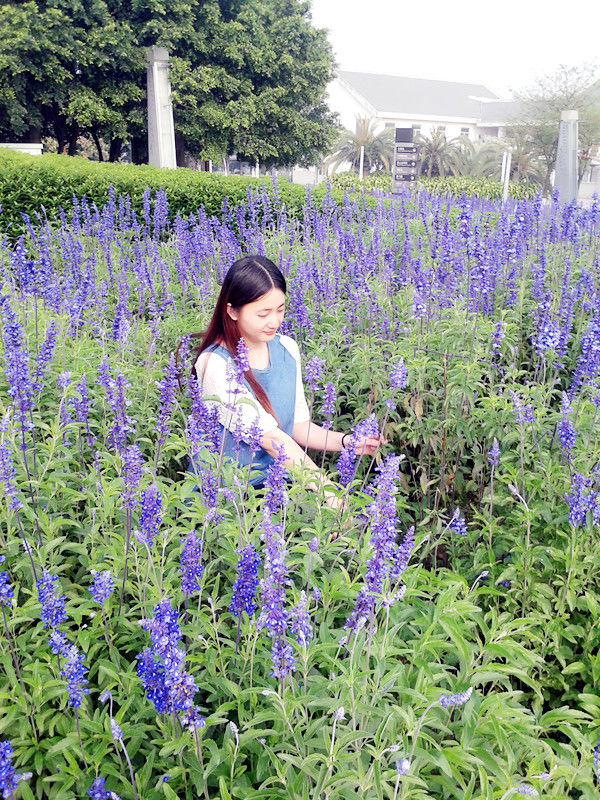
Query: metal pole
column 508, row 158
column 362, row 161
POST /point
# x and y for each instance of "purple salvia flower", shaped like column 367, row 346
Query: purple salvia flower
column 244, row 589
column 58, row 643
column 191, row 568
column 275, row 483
column 300, row 624
column 131, row 466
column 150, row 516
column 7, row 478
column 497, row 337
column 274, row 615
column 403, row 554
column 399, row 375
column 8, row 777
column 115, row 731
column 565, row 429
column 402, row 766
column 44, row 356
column 345, row 464
column 152, row 675
column 523, row 413
column 313, row 372
column 454, row 700
column 6, row 593
column 494, row 453
column 382, row 563
column 583, row 498
column 16, row 360
column 328, row 407
column 161, row 670
column 53, row 605
column 458, row 524
column 282, row 658
column 102, row 586
column 596, row 759
column 313, row 545
column 81, row 405
column 527, row 790
column 242, row 363
column 122, row 423
column 98, row 790
column 74, row 673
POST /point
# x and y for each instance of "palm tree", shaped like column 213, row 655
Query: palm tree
column 377, row 147
column 526, row 164
column 438, row 155
column 481, row 160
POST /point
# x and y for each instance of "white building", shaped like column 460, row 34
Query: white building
column 459, row 109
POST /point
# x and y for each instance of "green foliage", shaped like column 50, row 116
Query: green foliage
column 483, row 188
column 30, row 183
column 524, row 636
column 246, row 77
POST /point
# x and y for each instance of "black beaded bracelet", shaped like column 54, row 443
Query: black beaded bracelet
column 343, row 437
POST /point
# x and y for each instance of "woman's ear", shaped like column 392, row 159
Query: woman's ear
column 232, row 312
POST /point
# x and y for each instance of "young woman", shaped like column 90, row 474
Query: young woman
column 266, row 411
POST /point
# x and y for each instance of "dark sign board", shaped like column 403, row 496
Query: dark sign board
column 404, row 134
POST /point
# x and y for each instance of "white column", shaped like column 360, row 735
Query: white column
column 161, row 132
column 566, row 156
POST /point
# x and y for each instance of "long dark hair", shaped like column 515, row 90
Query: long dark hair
column 249, row 278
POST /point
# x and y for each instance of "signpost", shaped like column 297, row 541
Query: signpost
column 405, row 161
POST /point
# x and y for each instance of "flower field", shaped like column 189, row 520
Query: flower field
column 175, row 635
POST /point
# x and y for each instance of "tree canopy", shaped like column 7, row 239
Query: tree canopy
column 247, row 77
column 534, row 129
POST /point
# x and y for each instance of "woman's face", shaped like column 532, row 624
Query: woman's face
column 259, row 321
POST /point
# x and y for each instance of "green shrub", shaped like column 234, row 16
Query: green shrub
column 469, row 185
column 29, row 184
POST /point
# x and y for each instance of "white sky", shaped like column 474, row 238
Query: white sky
column 504, row 45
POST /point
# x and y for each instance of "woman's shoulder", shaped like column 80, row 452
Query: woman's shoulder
column 213, row 359
column 290, row 345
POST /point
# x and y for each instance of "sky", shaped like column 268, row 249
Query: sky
column 505, row 46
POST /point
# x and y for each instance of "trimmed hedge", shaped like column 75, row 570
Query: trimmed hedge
column 469, row 185
column 29, row 184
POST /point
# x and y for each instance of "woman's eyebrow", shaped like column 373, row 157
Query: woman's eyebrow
column 270, row 309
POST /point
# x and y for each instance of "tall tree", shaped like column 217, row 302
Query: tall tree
column 248, row 77
column 537, row 122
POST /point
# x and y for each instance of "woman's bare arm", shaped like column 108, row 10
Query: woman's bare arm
column 307, row 434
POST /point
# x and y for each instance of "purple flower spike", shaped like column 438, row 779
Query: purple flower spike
column 191, row 568
column 7, row 478
column 150, row 516
column 74, row 672
column 53, row 605
column 244, row 589
column 102, row 586
column 313, row 372
column 458, row 524
column 329, row 397
column 8, row 777
column 494, row 453
column 399, row 375
column 454, row 700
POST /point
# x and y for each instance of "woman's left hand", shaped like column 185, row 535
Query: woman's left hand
column 368, row 446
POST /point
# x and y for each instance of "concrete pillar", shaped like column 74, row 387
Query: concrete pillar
column 161, row 133
column 565, row 179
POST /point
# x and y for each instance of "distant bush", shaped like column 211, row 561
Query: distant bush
column 469, row 185
column 33, row 184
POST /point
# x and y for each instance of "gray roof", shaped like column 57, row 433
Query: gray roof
column 501, row 111
column 418, row 95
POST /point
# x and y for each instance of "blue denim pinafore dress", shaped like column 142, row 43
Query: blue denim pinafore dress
column 279, row 382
